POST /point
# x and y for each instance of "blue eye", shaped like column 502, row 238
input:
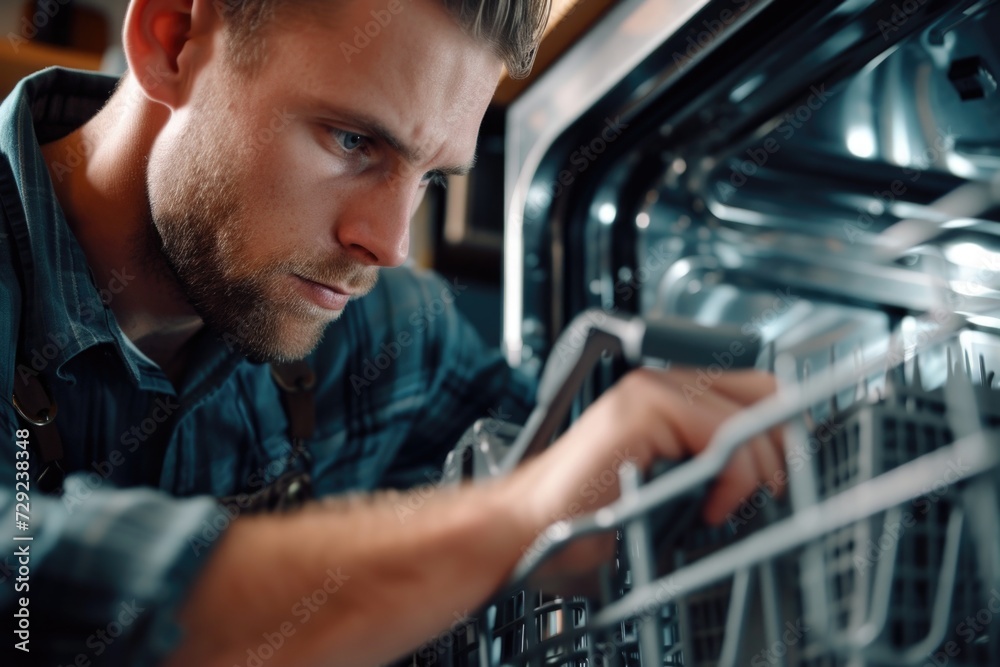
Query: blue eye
column 349, row 141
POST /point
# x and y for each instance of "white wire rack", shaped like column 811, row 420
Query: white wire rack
column 885, row 550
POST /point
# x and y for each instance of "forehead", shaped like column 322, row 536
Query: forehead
column 406, row 63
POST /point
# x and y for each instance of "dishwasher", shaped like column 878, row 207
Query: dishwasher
column 809, row 188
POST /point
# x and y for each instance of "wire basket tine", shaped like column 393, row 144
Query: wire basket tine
column 881, row 593
column 834, row 408
column 739, row 603
column 916, row 654
column 770, row 605
column 640, row 552
column 904, row 483
column 984, row 526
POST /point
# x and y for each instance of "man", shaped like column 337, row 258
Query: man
column 251, row 173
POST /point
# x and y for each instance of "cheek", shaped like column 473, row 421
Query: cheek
column 301, row 193
column 292, row 226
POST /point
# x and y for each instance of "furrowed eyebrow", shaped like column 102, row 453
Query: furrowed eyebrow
column 372, row 127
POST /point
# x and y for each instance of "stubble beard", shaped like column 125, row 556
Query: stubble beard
column 197, row 236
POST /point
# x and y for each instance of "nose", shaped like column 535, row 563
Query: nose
column 374, row 226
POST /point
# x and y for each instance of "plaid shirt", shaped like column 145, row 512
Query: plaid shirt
column 400, row 376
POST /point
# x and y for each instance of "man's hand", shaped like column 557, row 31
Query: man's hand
column 644, row 417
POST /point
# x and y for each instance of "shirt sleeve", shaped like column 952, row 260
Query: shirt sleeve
column 469, row 380
column 106, row 569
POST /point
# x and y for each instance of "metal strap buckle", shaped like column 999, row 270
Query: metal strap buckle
column 43, row 415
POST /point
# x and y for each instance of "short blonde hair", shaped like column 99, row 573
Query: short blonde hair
column 511, row 28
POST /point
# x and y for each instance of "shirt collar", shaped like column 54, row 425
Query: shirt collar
column 63, row 309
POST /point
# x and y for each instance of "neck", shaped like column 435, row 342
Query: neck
column 106, row 205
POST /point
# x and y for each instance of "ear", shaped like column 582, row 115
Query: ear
column 166, row 43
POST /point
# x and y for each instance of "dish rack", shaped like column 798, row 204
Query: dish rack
column 885, row 550
column 738, row 197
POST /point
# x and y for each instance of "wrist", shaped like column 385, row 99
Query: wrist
column 532, row 494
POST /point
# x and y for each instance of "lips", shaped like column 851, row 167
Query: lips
column 324, row 296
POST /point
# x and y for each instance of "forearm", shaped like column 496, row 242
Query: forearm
column 389, row 578
column 405, row 578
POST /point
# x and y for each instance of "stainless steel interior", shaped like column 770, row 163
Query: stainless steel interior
column 773, row 169
column 789, row 220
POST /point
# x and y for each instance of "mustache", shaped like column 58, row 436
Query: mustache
column 356, row 278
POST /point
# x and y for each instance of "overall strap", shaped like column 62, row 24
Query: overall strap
column 38, row 410
column 296, row 381
column 289, row 491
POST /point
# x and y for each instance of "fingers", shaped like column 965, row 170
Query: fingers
column 572, row 570
column 736, row 482
column 751, row 466
column 654, row 410
column 759, row 460
column 652, row 414
column 744, row 387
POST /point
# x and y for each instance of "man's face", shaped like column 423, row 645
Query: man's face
column 277, row 196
